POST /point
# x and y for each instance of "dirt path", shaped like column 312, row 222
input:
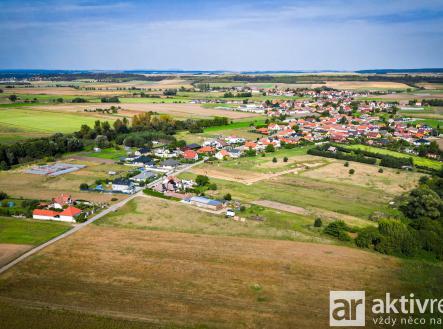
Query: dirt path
column 282, row 207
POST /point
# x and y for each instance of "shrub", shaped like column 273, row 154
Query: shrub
column 285, row 159
column 3, row 195
column 334, row 228
column 422, row 202
column 212, row 187
column 396, row 238
column 202, row 180
column 227, row 197
column 269, row 148
column 344, row 236
column 84, row 186
column 367, row 237
column 351, row 171
column 274, row 159
column 318, row 222
column 380, row 170
column 346, row 164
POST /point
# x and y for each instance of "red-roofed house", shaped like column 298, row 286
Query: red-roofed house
column 222, row 154
column 190, row 155
column 62, row 200
column 205, row 149
column 251, row 145
column 67, row 215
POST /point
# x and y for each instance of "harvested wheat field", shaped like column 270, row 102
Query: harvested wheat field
column 190, row 280
column 10, row 251
column 60, row 91
column 182, row 110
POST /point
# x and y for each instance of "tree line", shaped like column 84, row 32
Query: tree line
column 145, row 128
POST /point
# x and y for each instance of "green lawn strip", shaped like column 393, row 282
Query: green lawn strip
column 27, row 231
column 109, row 153
column 237, row 124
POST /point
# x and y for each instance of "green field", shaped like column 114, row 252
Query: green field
column 235, row 125
column 434, row 123
column 22, row 123
column 419, row 161
column 42, row 98
column 109, row 153
column 26, row 231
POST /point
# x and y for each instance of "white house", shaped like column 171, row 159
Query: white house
column 123, row 185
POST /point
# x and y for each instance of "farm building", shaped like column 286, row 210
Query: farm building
column 206, row 203
column 67, row 215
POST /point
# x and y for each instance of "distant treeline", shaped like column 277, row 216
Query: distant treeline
column 69, row 76
column 404, row 78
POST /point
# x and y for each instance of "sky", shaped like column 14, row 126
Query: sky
column 235, row 35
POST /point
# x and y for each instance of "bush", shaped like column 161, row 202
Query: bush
column 269, row 148
column 368, row 237
column 422, row 202
column 274, row 159
column 318, row 222
column 396, row 238
column 334, row 228
column 227, row 197
column 84, row 186
column 344, row 236
column 202, row 180
column 380, row 170
column 351, row 171
column 212, row 187
column 346, row 164
column 285, row 159
column 3, row 195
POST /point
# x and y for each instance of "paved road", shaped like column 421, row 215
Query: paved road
column 89, row 221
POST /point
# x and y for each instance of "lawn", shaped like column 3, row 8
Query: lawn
column 109, row 153
column 419, row 161
column 434, row 123
column 249, row 123
column 26, row 231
